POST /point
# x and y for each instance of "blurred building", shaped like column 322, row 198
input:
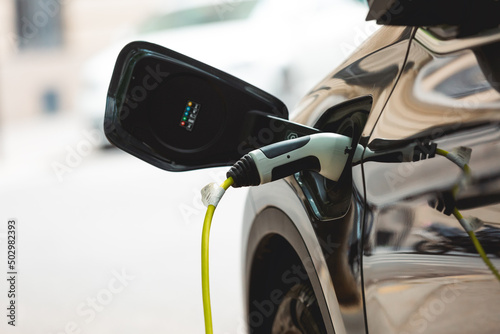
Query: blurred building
column 44, row 42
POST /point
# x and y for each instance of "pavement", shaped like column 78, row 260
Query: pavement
column 107, row 243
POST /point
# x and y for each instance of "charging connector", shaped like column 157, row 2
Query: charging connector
column 325, row 153
column 412, row 152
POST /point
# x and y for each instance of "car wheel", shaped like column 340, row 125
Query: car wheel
column 427, row 247
column 298, row 313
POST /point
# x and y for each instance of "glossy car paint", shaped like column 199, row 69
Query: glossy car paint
column 367, row 74
column 447, row 98
column 369, row 271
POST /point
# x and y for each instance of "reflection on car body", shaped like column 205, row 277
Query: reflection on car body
column 441, row 239
column 410, row 93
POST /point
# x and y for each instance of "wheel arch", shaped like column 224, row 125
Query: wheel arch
column 275, row 254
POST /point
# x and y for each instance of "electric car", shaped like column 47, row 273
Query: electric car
column 421, row 98
column 340, row 257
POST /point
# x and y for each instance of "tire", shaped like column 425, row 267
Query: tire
column 277, row 278
column 298, row 313
column 428, row 247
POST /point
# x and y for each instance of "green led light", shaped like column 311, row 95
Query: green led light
column 184, row 118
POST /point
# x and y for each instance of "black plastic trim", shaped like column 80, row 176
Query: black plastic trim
column 277, row 149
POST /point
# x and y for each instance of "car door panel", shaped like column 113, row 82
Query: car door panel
column 411, row 285
column 362, row 84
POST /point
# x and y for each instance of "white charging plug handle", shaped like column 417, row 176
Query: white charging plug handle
column 326, row 153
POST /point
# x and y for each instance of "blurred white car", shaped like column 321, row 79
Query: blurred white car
column 277, row 45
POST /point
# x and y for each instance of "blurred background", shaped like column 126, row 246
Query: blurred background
column 108, row 243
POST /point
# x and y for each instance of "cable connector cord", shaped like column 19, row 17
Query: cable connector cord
column 211, row 194
column 244, row 172
column 205, row 282
column 461, row 157
column 479, row 248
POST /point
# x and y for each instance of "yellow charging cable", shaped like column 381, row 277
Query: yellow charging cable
column 478, row 246
column 460, row 218
column 205, row 283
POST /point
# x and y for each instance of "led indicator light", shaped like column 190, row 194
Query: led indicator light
column 189, row 115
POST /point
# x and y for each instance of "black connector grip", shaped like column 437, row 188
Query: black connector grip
column 424, row 150
column 444, row 202
column 244, row 172
column 411, row 152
